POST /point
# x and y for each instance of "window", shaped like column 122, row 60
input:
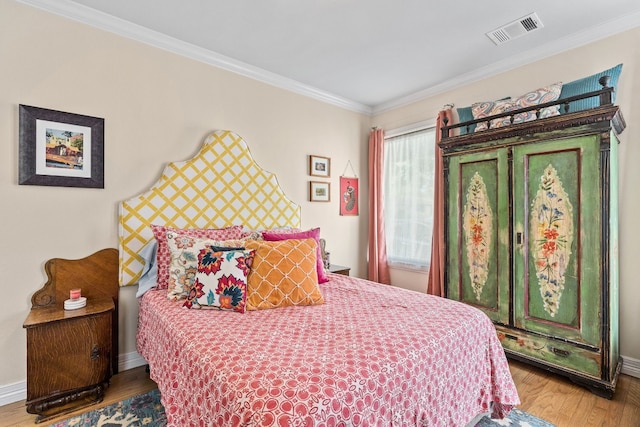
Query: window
column 408, row 197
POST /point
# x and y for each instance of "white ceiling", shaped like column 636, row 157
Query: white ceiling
column 365, row 55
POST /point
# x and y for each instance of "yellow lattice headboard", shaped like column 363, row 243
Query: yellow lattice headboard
column 221, row 186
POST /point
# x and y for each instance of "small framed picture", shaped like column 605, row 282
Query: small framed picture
column 319, row 166
column 60, row 149
column 319, row 191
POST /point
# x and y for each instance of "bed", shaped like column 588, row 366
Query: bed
column 352, row 353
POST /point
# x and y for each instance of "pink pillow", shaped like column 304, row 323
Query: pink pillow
column 313, row 233
column 163, row 257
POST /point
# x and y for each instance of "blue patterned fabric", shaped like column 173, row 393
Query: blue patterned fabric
column 575, row 87
column 589, row 84
column 146, row 410
column 464, row 115
column 516, row 418
column 141, row 410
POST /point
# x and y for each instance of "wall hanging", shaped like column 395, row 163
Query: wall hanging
column 319, row 191
column 349, row 192
column 60, row 149
column 319, row 166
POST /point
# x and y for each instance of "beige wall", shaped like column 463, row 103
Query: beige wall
column 157, row 107
column 577, row 63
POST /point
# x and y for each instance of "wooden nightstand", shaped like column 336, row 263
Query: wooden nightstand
column 72, row 354
column 68, row 357
column 339, row 269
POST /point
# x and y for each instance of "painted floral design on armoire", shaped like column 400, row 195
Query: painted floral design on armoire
column 551, row 231
column 477, row 220
column 531, row 239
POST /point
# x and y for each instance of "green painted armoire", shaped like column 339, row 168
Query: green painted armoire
column 531, row 232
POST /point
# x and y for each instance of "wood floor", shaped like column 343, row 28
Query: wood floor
column 547, row 396
column 561, row 402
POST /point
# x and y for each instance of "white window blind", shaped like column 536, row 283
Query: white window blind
column 408, row 197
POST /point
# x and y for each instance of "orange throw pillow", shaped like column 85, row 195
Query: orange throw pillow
column 283, row 274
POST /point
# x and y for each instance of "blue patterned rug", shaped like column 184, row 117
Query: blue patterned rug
column 141, row 410
column 516, row 418
column 146, row 410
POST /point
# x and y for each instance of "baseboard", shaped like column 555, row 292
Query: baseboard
column 10, row 393
column 130, row 361
column 15, row 392
column 630, row 366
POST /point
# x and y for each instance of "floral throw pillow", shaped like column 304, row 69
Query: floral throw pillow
column 221, row 279
column 184, row 252
column 163, row 257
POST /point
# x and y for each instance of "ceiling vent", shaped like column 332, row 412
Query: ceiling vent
column 515, row 29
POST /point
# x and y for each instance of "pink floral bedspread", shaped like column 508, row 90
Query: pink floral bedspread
column 372, row 355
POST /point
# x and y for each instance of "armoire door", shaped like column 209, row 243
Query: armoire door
column 478, row 221
column 557, row 240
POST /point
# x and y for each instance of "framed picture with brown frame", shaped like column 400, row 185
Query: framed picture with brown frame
column 319, row 166
column 319, row 191
column 60, row 149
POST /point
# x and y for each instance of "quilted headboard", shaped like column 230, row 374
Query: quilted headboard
column 221, row 186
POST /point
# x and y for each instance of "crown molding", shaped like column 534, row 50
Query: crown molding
column 590, row 35
column 104, row 21
column 101, row 20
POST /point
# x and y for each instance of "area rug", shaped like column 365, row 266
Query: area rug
column 146, row 410
column 141, row 410
column 516, row 418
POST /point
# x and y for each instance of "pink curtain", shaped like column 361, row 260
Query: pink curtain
column 435, row 285
column 378, row 267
